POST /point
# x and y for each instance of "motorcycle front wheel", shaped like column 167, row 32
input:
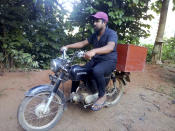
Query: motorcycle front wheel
column 33, row 116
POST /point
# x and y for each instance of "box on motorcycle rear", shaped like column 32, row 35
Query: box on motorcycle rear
column 131, row 58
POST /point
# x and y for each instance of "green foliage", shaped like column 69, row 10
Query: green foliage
column 157, row 5
column 168, row 50
column 24, row 59
column 31, row 32
column 124, row 17
column 13, row 54
column 149, row 51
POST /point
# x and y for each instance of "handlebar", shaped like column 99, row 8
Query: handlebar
column 64, row 52
column 78, row 54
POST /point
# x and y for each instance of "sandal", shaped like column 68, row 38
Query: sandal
column 100, row 106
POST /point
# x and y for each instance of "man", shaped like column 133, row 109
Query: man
column 103, row 57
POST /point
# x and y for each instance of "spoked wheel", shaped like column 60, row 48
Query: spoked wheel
column 114, row 91
column 32, row 114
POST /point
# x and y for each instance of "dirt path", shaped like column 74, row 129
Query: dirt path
column 142, row 107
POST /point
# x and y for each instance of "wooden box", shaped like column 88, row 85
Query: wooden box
column 131, row 58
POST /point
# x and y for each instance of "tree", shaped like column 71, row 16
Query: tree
column 31, row 32
column 157, row 50
column 124, row 16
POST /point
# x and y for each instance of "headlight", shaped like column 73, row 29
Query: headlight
column 56, row 64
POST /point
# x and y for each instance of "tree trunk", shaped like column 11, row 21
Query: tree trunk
column 157, row 50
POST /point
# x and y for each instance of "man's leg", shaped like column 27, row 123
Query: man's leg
column 99, row 71
column 75, row 84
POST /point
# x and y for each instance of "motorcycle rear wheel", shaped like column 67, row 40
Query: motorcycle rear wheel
column 31, row 116
column 114, row 91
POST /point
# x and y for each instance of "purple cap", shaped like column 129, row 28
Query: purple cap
column 101, row 15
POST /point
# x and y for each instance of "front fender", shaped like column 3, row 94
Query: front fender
column 37, row 89
column 41, row 88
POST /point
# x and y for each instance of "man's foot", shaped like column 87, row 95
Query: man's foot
column 99, row 104
column 70, row 97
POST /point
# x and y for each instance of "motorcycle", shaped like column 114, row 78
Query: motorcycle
column 43, row 105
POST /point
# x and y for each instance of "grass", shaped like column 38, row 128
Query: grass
column 172, row 94
column 22, row 89
column 162, row 89
column 168, row 90
column 2, row 92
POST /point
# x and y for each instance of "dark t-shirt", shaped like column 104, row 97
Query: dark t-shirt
column 108, row 36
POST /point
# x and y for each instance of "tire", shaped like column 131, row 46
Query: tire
column 114, row 96
column 55, row 109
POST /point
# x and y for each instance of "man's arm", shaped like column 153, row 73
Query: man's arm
column 80, row 44
column 103, row 50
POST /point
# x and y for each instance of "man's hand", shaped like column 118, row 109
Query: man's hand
column 89, row 54
column 64, row 48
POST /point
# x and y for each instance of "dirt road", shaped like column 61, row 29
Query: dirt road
column 147, row 105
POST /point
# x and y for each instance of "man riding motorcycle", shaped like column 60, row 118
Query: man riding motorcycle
column 103, row 57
